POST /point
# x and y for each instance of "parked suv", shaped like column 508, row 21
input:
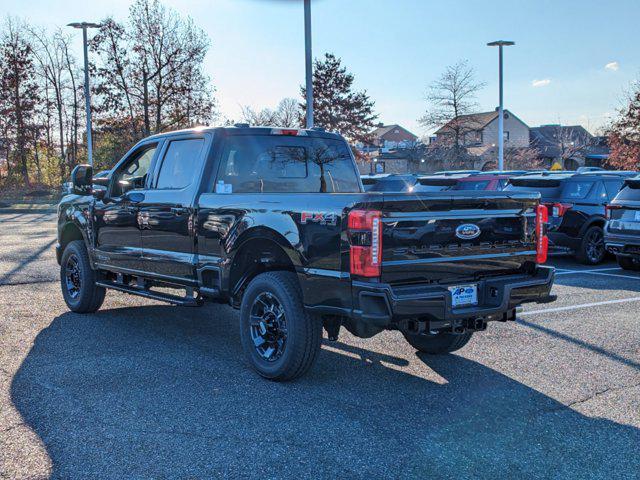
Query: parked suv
column 577, row 208
column 622, row 233
column 275, row 222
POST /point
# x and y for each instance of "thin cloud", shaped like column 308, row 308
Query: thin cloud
column 614, row 66
column 541, row 83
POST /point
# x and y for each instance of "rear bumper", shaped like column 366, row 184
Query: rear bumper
column 623, row 245
column 384, row 305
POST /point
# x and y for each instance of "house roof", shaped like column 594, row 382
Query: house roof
column 476, row 121
column 548, row 139
column 381, row 131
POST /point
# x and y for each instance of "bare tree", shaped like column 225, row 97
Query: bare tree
column 286, row 114
column 152, row 70
column 59, row 77
column 450, row 99
column 264, row 117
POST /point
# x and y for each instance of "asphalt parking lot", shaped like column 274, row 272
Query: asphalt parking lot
column 145, row 390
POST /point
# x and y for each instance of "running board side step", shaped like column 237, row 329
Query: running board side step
column 163, row 297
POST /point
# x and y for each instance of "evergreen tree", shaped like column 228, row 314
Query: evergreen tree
column 336, row 107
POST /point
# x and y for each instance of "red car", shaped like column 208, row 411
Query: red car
column 474, row 181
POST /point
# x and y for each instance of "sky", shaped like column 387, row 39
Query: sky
column 572, row 63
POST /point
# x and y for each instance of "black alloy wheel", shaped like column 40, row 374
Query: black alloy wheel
column 268, row 326
column 594, row 247
column 72, row 274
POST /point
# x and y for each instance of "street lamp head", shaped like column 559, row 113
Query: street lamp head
column 501, row 43
column 84, row 25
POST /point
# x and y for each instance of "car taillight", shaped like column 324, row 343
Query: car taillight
column 609, row 208
column 542, row 241
column 365, row 236
column 559, row 209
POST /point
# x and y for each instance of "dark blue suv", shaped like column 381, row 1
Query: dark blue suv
column 577, row 208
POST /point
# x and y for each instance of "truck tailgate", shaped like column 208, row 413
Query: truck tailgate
column 431, row 237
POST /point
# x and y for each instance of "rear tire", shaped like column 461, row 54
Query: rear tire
column 280, row 339
column 591, row 250
column 78, row 280
column 440, row 343
column 628, row 263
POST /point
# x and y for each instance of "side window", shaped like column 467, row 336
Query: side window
column 181, row 164
column 133, row 174
column 612, row 187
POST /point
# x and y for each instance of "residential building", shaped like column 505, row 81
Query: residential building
column 570, row 146
column 481, row 130
column 390, row 137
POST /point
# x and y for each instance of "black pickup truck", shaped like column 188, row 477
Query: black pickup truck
column 276, row 223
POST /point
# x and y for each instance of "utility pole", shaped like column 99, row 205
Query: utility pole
column 500, row 44
column 308, row 62
column 87, row 94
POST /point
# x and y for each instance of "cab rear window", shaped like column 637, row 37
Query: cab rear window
column 283, row 164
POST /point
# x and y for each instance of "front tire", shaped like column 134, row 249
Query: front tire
column 440, row 343
column 592, row 251
column 280, row 339
column 628, row 263
column 78, row 280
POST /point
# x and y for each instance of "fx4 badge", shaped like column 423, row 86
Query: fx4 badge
column 321, row 218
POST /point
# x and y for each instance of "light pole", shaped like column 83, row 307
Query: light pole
column 87, row 97
column 500, row 44
column 308, row 62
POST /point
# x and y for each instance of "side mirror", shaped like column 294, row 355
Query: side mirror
column 81, row 177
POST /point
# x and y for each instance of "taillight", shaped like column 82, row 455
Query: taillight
column 365, row 236
column 609, row 208
column 559, row 209
column 542, row 241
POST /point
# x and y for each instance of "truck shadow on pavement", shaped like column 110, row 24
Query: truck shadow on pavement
column 164, row 392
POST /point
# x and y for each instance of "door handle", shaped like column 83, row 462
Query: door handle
column 178, row 210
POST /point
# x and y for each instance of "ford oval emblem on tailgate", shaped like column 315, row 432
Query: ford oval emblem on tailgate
column 468, row 231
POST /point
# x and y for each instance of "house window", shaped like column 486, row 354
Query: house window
column 506, row 136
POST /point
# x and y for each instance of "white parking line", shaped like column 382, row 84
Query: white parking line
column 592, row 270
column 584, row 305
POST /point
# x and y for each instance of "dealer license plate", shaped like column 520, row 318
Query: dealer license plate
column 464, row 295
